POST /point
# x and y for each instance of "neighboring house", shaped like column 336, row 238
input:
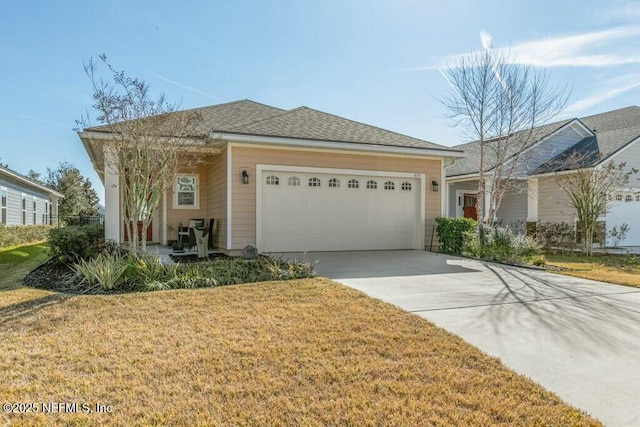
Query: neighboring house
column 535, row 194
column 26, row 202
column 296, row 180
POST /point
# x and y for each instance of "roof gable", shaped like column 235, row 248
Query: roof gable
column 581, row 155
column 613, row 129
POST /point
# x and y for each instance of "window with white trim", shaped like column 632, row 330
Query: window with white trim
column 294, row 181
column 353, row 183
column 314, row 182
column 619, row 197
column 35, row 210
column 334, row 183
column 3, row 205
column 273, row 180
column 24, row 209
column 389, row 185
column 628, row 198
column 45, row 219
column 372, row 185
column 186, row 192
column 637, row 198
column 406, row 186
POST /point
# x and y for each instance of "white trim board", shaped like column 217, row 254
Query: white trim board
column 340, row 146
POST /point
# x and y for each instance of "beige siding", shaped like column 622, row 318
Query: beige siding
column 181, row 217
column 217, row 197
column 553, row 202
column 246, row 158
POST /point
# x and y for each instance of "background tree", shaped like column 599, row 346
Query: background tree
column 35, row 176
column 80, row 198
column 591, row 191
column 149, row 141
column 499, row 103
column 4, row 165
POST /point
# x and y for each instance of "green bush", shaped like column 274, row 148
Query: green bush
column 13, row 235
column 73, row 243
column 238, row 270
column 143, row 268
column 115, row 271
column 500, row 244
column 105, row 270
column 451, row 232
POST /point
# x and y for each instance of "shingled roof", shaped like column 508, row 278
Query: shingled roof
column 247, row 117
column 613, row 129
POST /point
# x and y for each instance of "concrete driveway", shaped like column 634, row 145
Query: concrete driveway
column 576, row 337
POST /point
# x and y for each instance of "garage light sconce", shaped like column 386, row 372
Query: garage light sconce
column 245, row 177
column 435, row 186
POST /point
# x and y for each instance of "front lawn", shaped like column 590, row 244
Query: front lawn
column 300, row 352
column 620, row 269
column 17, row 261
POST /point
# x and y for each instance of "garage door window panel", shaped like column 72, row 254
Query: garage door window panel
column 314, row 182
column 293, row 181
column 372, row 185
column 334, row 183
column 273, row 180
column 353, row 183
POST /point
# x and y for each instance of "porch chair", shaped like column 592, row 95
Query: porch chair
column 185, row 234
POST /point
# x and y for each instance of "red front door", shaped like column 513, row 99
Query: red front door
column 149, row 232
column 469, row 206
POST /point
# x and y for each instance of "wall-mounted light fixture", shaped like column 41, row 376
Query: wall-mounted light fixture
column 245, row 177
column 435, row 186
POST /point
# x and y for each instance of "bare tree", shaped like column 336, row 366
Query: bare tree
column 499, row 104
column 591, row 191
column 148, row 141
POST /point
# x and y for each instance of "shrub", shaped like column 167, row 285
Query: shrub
column 143, row 269
column 555, row 234
column 74, row 243
column 105, row 270
column 451, row 233
column 114, row 271
column 500, row 244
column 13, row 235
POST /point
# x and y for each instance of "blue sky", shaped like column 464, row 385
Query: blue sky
column 373, row 61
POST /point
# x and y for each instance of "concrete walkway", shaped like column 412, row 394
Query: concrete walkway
column 576, row 337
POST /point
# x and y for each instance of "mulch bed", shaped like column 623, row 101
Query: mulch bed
column 55, row 277
column 191, row 258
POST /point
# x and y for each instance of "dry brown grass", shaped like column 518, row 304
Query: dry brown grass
column 623, row 270
column 306, row 352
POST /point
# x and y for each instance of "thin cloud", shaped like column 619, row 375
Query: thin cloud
column 185, row 87
column 612, row 89
column 624, row 11
column 47, row 122
column 604, row 48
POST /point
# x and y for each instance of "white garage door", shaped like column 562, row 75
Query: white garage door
column 625, row 213
column 304, row 211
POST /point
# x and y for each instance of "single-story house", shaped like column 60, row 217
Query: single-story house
column 295, row 180
column 535, row 194
column 26, row 202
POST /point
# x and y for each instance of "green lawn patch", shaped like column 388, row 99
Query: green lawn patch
column 17, row 261
column 619, row 269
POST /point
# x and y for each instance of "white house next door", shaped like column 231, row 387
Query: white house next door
column 317, row 210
